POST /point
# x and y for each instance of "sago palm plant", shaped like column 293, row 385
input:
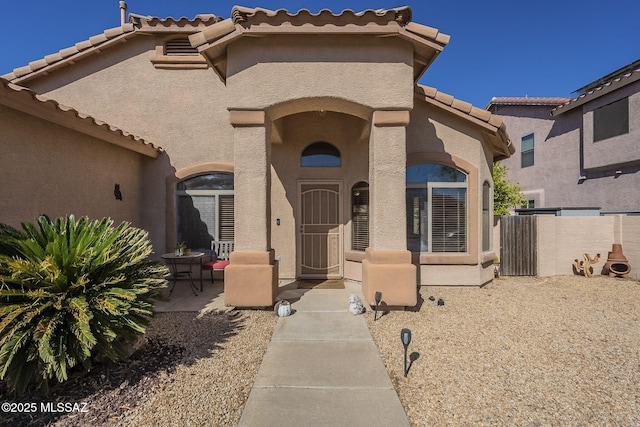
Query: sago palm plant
column 69, row 290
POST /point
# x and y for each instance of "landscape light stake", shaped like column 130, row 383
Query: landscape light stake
column 378, row 299
column 405, row 336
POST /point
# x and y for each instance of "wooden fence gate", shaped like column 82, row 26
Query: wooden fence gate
column 518, row 254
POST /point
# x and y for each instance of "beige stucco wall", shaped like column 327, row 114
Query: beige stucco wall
column 49, row 169
column 300, row 130
column 436, row 135
column 183, row 111
column 373, row 72
column 315, row 88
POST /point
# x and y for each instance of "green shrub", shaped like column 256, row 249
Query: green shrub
column 70, row 290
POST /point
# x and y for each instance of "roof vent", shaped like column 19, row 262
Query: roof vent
column 123, row 13
column 180, row 46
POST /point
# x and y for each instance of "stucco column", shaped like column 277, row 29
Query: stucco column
column 387, row 265
column 251, row 279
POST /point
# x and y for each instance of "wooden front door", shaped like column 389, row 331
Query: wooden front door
column 320, row 230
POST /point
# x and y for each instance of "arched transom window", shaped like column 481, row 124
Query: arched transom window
column 436, row 208
column 320, row 154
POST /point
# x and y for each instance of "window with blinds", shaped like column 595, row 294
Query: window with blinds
column 437, row 210
column 360, row 216
column 205, row 209
column 448, row 219
column 527, row 150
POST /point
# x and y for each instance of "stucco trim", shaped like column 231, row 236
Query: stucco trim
column 247, row 118
column 383, row 118
column 473, row 212
column 355, row 256
column 171, row 192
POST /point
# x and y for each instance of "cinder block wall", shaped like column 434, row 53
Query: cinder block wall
column 563, row 239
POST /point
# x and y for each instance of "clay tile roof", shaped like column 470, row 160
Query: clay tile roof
column 27, row 101
column 495, row 129
column 605, row 88
column 242, row 14
column 63, row 56
column 156, row 24
column 550, row 101
column 428, row 42
column 137, row 24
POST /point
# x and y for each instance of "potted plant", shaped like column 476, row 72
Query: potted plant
column 180, row 247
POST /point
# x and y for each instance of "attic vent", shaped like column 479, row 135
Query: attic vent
column 180, row 47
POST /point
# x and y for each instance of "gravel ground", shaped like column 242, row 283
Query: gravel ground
column 190, row 371
column 520, row 351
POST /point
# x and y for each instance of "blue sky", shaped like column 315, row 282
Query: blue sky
column 497, row 47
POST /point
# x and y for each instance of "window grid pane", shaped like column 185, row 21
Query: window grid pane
column 527, row 149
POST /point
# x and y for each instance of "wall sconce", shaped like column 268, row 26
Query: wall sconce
column 117, row 192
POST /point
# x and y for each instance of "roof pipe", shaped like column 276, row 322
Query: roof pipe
column 123, row 13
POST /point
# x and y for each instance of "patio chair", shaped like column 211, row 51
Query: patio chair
column 220, row 251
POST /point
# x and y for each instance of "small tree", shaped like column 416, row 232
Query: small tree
column 506, row 195
column 71, row 289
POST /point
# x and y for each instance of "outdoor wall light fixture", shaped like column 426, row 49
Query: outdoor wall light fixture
column 378, row 298
column 618, row 173
column 116, row 192
column 405, row 337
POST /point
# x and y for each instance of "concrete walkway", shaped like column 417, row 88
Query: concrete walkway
column 322, row 368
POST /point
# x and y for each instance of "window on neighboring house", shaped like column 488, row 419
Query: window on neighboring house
column 486, row 216
column 527, row 150
column 611, row 120
column 320, row 154
column 205, row 209
column 360, row 216
column 531, row 204
column 436, row 208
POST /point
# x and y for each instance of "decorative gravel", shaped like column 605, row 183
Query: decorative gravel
column 190, row 371
column 520, row 351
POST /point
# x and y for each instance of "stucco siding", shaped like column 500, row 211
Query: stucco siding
column 48, row 169
column 183, row 111
column 369, row 71
column 619, row 150
column 300, row 130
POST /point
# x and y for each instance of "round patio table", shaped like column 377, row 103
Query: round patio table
column 175, row 261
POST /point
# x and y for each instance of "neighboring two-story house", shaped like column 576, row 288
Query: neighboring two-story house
column 581, row 152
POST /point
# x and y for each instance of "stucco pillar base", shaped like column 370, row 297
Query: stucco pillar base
column 251, row 279
column 393, row 274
